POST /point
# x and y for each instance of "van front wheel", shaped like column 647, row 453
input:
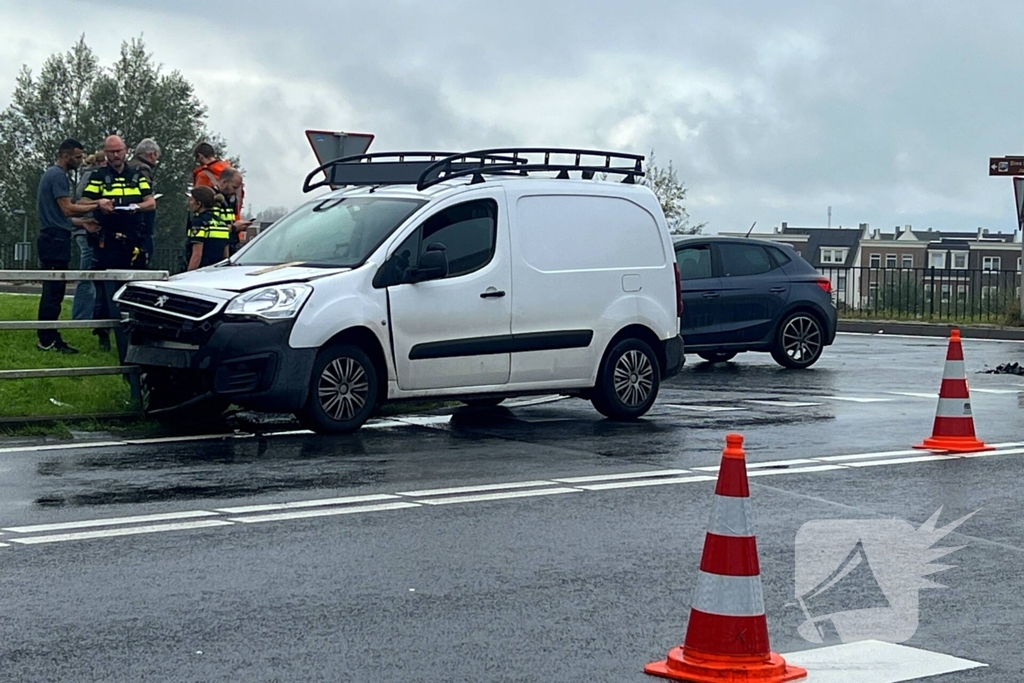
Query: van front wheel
column 342, row 391
column 628, row 381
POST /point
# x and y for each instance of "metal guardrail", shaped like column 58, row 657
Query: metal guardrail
column 10, row 276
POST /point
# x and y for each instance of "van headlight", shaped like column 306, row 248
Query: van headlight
column 278, row 302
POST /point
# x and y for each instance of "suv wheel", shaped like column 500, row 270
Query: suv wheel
column 342, row 391
column 799, row 341
column 628, row 381
column 717, row 356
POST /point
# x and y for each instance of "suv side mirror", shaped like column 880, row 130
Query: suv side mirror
column 433, row 265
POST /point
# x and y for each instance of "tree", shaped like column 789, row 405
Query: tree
column 74, row 96
column 671, row 194
column 271, row 214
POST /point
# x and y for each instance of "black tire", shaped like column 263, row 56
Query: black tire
column 628, row 381
column 342, row 391
column 482, row 402
column 799, row 341
column 717, row 356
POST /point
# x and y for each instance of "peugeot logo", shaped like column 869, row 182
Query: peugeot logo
column 161, row 300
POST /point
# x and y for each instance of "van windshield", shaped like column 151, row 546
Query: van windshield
column 336, row 232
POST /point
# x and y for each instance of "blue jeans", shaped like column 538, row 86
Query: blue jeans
column 85, row 292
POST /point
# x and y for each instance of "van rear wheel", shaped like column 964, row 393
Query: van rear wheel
column 342, row 391
column 628, row 381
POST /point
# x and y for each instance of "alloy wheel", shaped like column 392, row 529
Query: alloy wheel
column 343, row 389
column 801, row 338
column 633, row 378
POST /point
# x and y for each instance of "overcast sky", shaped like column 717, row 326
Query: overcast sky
column 886, row 111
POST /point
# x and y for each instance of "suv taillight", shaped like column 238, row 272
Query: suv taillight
column 679, row 293
column 825, row 284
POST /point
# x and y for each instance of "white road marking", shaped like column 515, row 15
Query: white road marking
column 701, row 409
column 623, row 475
column 62, row 446
column 476, row 489
column 126, row 531
column 322, row 502
column 783, row 404
column 855, row 399
column 928, row 338
column 902, row 461
column 496, row 496
column 5, row 545
column 111, row 521
column 329, row 512
column 605, row 482
column 872, row 661
column 645, row 482
column 996, row 391
column 795, row 470
column 913, row 394
column 769, row 463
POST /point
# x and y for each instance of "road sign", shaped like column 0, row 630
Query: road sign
column 1006, row 166
column 330, row 145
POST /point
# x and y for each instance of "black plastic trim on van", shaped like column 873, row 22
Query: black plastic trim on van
column 504, row 343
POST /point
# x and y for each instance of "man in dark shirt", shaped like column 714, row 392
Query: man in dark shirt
column 58, row 216
column 147, row 156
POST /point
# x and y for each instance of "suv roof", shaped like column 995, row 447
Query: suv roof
column 424, row 170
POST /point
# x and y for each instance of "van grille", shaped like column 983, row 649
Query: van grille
column 167, row 302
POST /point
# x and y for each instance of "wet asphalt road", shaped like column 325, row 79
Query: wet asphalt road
column 584, row 583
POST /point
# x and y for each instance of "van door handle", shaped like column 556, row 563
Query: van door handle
column 777, row 290
column 492, row 294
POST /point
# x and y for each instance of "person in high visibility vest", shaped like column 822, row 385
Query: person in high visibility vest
column 209, row 235
column 230, row 187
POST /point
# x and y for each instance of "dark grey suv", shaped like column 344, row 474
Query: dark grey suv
column 751, row 295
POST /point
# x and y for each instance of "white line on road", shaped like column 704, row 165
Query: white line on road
column 645, row 482
column 307, row 514
column 769, row 463
column 913, row 394
column 476, row 489
column 855, row 399
column 902, row 461
column 113, row 521
column 125, row 531
column 995, row 391
column 795, row 470
column 496, row 496
column 783, row 404
column 623, row 475
column 322, row 502
column 701, row 409
column 872, row 661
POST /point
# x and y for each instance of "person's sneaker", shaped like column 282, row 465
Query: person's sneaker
column 62, row 347
column 45, row 347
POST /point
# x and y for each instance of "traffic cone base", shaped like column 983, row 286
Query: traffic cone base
column 953, row 429
column 687, row 665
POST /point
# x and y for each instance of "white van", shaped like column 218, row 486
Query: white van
column 471, row 277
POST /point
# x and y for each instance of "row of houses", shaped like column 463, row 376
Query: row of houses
column 867, row 264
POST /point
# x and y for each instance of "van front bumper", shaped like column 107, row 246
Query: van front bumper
column 246, row 362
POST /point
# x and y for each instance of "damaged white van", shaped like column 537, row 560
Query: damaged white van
column 471, row 277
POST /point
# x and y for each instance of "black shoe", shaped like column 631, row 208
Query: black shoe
column 104, row 344
column 62, row 347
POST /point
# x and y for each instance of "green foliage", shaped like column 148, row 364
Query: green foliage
column 671, row 194
column 74, row 96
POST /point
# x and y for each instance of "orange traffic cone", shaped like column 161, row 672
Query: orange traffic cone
column 954, row 425
column 727, row 635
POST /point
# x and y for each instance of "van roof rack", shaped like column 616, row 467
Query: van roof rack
column 511, row 161
column 384, row 168
column 425, row 169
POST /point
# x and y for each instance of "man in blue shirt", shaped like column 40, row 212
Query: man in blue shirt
column 58, row 216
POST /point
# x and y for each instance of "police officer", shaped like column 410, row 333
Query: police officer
column 122, row 194
column 209, row 234
column 229, row 184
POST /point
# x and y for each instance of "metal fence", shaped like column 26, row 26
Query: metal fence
column 164, row 259
column 935, row 294
column 35, row 276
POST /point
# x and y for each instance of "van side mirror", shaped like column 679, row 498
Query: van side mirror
column 433, row 265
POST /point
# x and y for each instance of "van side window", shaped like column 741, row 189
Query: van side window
column 694, row 262
column 467, row 231
column 744, row 259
